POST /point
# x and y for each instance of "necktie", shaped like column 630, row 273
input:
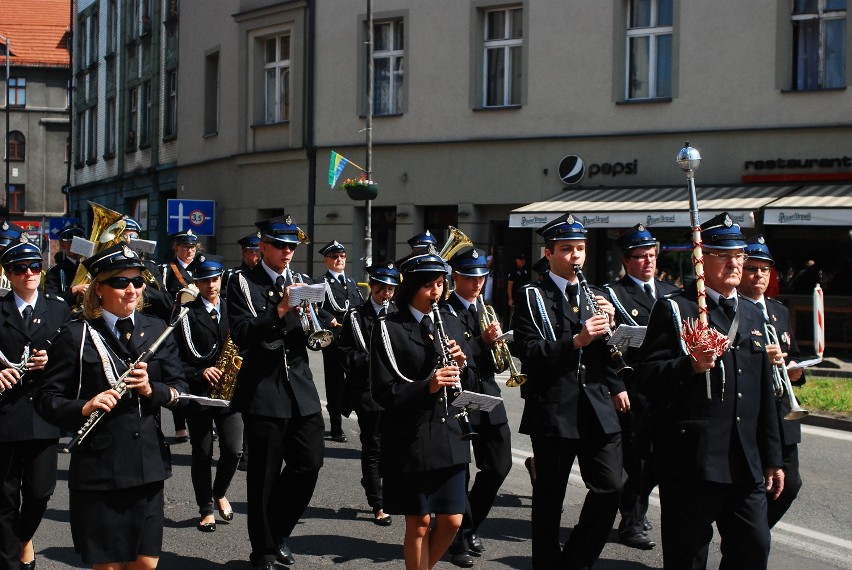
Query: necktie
column 27, row 315
column 728, row 307
column 472, row 309
column 762, row 308
column 214, row 314
column 341, row 279
column 280, row 284
column 426, row 329
column 125, row 330
column 571, row 291
column 650, row 291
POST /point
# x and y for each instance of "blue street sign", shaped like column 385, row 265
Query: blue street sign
column 197, row 215
column 56, row 224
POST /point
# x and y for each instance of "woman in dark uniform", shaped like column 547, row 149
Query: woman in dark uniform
column 116, row 474
column 423, row 457
column 354, row 346
column 201, row 336
column 28, row 320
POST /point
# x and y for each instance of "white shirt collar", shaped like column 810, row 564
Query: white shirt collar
column 111, row 319
column 643, row 283
column 20, row 303
column 715, row 295
column 208, row 306
column 335, row 274
column 272, row 273
column 561, row 283
column 418, row 316
column 377, row 306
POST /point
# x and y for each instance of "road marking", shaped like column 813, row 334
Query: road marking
column 847, row 544
column 826, row 432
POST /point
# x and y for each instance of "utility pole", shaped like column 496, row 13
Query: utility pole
column 368, row 217
column 6, row 136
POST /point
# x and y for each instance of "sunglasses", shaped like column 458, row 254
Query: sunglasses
column 123, row 282
column 282, row 245
column 22, row 268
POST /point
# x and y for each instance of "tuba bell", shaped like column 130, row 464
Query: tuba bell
column 107, row 229
column 455, row 242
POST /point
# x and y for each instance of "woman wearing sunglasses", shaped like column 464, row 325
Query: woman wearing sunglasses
column 116, row 475
column 28, row 319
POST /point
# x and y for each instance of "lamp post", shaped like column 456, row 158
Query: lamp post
column 6, row 136
column 368, row 216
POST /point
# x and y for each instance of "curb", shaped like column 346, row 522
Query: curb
column 827, row 422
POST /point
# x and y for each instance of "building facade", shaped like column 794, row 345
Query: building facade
column 35, row 102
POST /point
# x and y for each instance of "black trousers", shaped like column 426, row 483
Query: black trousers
column 792, row 485
column 278, row 497
column 599, row 457
column 29, row 479
column 492, row 451
column 371, row 480
column 688, row 509
column 640, row 481
column 334, row 387
column 230, row 427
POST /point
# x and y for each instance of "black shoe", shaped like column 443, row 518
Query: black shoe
column 382, row 519
column 28, row 565
column 263, row 566
column 206, row 527
column 640, row 541
column 462, row 559
column 475, row 544
column 646, row 524
column 283, row 554
column 338, row 437
column 529, row 463
column 243, row 464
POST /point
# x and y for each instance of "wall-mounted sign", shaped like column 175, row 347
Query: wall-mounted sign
column 572, row 169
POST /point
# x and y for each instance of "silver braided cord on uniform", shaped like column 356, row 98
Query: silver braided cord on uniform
column 16, row 365
column 107, row 361
column 678, row 323
column 187, row 334
column 628, row 320
column 332, row 301
column 356, row 331
column 247, row 295
column 547, row 333
column 63, row 281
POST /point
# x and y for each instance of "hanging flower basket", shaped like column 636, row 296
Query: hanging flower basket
column 361, row 189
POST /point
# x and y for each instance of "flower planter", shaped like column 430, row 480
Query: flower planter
column 363, row 191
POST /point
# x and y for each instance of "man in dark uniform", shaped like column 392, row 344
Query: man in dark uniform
column 354, row 345
column 341, row 296
column 8, row 233
column 59, row 277
column 753, row 286
column 517, row 279
column 716, row 450
column 28, row 321
column 176, row 276
column 633, row 296
column 276, row 394
column 570, row 401
column 492, row 447
column 250, row 256
column 158, row 301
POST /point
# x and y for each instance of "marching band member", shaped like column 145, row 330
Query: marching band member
column 423, row 456
column 116, row 475
column 201, row 336
column 341, row 296
column 753, row 287
column 633, row 296
column 570, row 401
column 354, row 345
column 250, row 256
column 275, row 391
column 492, row 447
column 59, row 277
column 158, row 301
column 28, row 460
column 176, row 276
column 715, row 454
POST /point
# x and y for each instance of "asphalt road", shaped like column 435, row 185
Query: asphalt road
column 336, row 531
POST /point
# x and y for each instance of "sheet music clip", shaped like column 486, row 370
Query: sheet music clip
column 205, row 401
column 626, row 335
column 476, row 401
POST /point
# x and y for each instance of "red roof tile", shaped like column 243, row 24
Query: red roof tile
column 37, row 31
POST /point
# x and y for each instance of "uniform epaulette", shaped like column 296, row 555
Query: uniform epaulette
column 54, row 297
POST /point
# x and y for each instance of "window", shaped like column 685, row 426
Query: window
column 277, row 79
column 388, row 67
column 819, row 44
column 504, row 37
column 132, row 116
column 211, row 94
column 17, row 146
column 17, row 199
column 92, row 136
column 17, row 92
column 170, row 115
column 133, row 20
column 94, row 30
column 109, row 129
column 145, row 125
column 649, row 49
column 80, row 146
column 112, row 27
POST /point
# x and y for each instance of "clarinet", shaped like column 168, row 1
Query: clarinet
column 444, row 360
column 121, row 384
column 622, row 369
column 24, row 370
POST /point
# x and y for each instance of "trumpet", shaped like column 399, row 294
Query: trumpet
column 318, row 337
column 781, row 380
column 444, row 360
column 622, row 369
column 501, row 357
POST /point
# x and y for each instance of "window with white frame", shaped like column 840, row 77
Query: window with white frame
column 170, row 115
column 502, row 58
column 145, row 115
column 277, row 79
column 819, row 44
column 649, row 49
column 388, row 67
column 17, row 92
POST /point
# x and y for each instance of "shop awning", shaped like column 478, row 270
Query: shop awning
column 664, row 206
column 812, row 206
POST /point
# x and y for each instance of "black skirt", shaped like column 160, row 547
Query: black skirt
column 117, row 526
column 440, row 491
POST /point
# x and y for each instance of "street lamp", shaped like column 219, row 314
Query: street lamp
column 6, row 139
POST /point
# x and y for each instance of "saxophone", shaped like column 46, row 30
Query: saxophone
column 229, row 362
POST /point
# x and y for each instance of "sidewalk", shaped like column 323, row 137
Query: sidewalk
column 831, row 367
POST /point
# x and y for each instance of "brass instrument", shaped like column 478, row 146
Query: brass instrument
column 622, row 369
column 500, row 354
column 781, row 380
column 5, row 285
column 455, row 242
column 229, row 362
column 318, row 337
column 445, row 360
column 107, row 230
